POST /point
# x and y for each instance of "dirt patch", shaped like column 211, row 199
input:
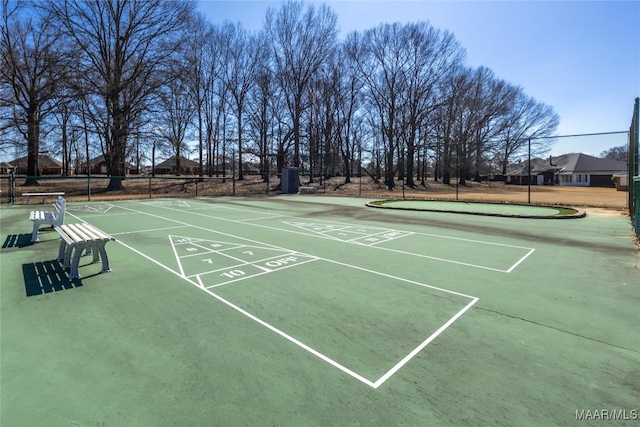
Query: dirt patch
column 77, row 189
column 605, row 198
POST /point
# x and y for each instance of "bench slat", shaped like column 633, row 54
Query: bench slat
column 98, row 232
column 52, row 218
column 43, row 195
column 71, row 234
column 75, row 238
column 82, row 233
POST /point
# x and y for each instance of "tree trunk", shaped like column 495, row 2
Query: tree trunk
column 33, row 147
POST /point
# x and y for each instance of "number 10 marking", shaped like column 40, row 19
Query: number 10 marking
column 233, row 273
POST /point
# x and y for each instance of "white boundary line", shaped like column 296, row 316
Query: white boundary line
column 146, row 231
column 408, row 233
column 411, row 232
column 288, row 337
column 264, row 271
column 425, row 343
column 321, row 236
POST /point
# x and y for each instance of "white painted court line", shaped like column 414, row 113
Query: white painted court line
column 216, row 248
column 201, row 228
column 322, row 236
column 260, row 218
column 293, row 340
column 148, row 230
column 367, row 245
column 100, row 207
column 264, row 271
column 520, row 261
column 311, row 350
column 426, row 234
column 241, row 264
column 425, row 343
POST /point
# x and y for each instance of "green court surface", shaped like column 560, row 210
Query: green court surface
column 318, row 311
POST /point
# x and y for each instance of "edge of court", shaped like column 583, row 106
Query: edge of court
column 421, row 206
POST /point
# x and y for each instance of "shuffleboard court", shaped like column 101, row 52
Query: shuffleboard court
column 461, row 251
column 315, row 310
column 255, row 278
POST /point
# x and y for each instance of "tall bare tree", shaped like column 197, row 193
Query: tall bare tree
column 124, row 44
column 177, row 107
column 431, row 55
column 301, row 41
column 382, row 61
column 30, row 67
column 526, row 118
column 198, row 48
column 242, row 57
column 260, row 106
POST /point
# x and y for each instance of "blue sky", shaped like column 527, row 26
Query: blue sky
column 580, row 57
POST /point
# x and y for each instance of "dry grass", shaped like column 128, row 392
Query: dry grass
column 76, row 190
column 607, row 198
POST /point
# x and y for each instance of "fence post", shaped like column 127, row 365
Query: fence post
column 12, row 186
column 634, row 149
column 233, row 171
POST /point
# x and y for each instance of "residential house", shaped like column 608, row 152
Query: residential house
column 46, row 165
column 575, row 169
column 169, row 166
column 5, row 167
column 98, row 165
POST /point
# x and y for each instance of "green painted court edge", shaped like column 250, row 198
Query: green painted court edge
column 512, row 210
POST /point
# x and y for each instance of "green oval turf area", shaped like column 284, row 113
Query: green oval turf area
column 480, row 208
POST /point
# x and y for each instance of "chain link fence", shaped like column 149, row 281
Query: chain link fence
column 634, row 179
column 78, row 188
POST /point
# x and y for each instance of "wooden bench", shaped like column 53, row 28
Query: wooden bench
column 79, row 238
column 52, row 218
column 309, row 190
column 43, row 195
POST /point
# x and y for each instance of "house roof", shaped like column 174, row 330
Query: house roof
column 570, row 164
column 578, row 162
column 44, row 161
column 184, row 162
column 100, row 159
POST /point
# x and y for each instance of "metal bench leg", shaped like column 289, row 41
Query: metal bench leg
column 75, row 260
column 68, row 251
column 62, row 250
column 103, row 256
column 34, row 233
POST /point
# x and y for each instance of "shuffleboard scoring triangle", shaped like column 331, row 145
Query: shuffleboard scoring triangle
column 168, row 203
column 97, row 208
column 314, row 227
column 197, row 258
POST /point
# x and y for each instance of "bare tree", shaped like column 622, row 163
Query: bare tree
column 242, row 57
column 526, row 118
column 177, row 106
column 300, row 42
column 382, row 62
column 261, row 100
column 197, row 57
column 124, row 44
column 431, row 55
column 29, row 71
